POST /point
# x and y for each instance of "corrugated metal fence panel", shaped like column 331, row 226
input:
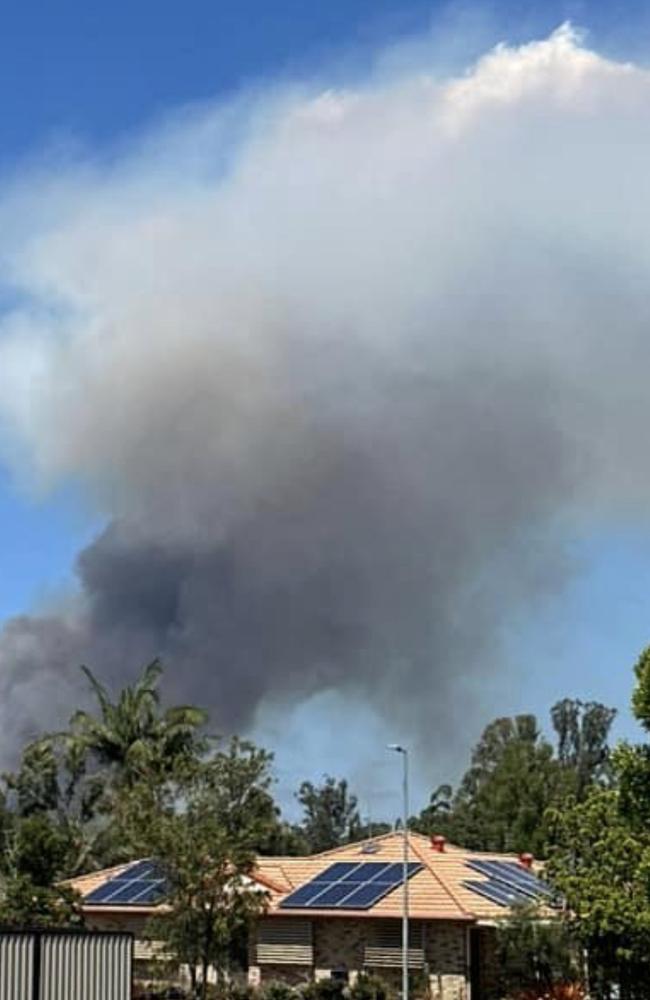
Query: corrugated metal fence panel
column 86, row 967
column 16, row 966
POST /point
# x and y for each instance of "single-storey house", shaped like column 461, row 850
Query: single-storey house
column 338, row 913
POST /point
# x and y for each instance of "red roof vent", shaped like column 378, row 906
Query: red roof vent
column 526, row 860
column 438, row 843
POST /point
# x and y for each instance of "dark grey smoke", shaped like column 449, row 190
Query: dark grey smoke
column 355, row 568
column 336, row 406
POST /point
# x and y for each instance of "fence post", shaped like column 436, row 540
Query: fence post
column 36, row 977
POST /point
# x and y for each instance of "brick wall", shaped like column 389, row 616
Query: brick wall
column 293, row 975
column 339, row 944
column 446, row 956
column 134, row 923
column 488, row 970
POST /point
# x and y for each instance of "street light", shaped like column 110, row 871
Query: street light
column 405, row 869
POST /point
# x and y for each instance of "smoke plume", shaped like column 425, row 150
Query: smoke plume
column 337, row 369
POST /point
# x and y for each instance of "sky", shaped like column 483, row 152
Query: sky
column 89, row 80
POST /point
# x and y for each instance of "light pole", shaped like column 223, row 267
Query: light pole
column 405, row 869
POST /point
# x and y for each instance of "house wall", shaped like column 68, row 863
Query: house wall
column 134, row 923
column 448, row 960
column 339, row 945
column 488, row 970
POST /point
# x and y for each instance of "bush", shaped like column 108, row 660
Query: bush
column 369, row 987
column 537, row 957
column 276, row 990
column 561, row 991
column 324, row 989
column 242, row 991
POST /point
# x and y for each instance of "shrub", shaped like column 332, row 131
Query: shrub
column 276, row 990
column 242, row 991
column 324, row 989
column 369, row 987
column 537, row 958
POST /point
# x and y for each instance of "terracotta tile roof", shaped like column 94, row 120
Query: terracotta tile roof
column 436, row 892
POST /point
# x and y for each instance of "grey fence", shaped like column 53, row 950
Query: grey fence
column 65, row 965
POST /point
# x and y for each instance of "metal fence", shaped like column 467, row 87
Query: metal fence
column 65, row 965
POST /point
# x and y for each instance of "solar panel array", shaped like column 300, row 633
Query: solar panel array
column 508, row 883
column 141, row 884
column 349, row 885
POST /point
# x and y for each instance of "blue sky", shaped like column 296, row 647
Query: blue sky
column 95, row 73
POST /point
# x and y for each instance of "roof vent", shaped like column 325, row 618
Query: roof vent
column 526, row 860
column 438, row 843
column 369, row 848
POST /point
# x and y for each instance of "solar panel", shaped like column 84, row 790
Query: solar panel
column 302, row 896
column 367, row 872
column 337, row 871
column 511, row 874
column 367, row 895
column 349, row 886
column 392, row 873
column 522, row 877
column 332, row 894
column 141, row 883
column 496, row 892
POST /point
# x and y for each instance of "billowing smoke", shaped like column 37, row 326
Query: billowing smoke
column 338, row 369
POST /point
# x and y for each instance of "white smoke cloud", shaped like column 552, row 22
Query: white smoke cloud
column 327, row 363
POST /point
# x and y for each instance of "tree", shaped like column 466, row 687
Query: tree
column 533, row 956
column 601, row 849
column 582, row 730
column 204, row 839
column 35, row 856
column 330, row 814
column 501, row 800
column 601, row 866
column 77, row 776
column 434, row 817
column 133, row 739
column 516, row 775
column 54, row 785
column 632, row 763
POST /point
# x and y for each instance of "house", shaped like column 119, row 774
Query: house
column 338, row 913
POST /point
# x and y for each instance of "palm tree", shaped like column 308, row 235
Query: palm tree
column 132, row 737
column 86, row 774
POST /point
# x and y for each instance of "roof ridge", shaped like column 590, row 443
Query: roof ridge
column 366, row 840
column 426, row 862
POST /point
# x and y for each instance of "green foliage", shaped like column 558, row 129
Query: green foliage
column 205, row 836
column 132, row 739
column 582, row 730
column 641, row 695
column 39, row 848
column 602, row 867
column 369, row 987
column 23, row 903
column 331, row 816
column 632, row 763
column 275, row 990
column 324, row 989
column 516, row 775
column 502, row 798
column 535, row 955
column 240, row 788
column 37, row 852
